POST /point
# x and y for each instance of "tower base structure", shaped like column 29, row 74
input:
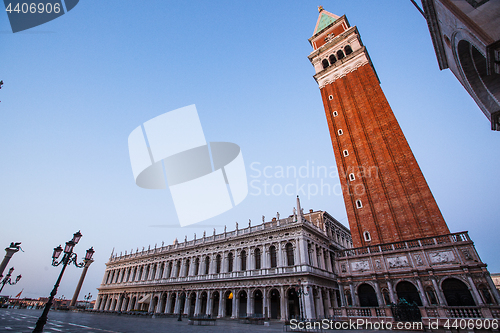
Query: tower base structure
column 442, row 278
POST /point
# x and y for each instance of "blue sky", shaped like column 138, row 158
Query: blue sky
column 77, row 86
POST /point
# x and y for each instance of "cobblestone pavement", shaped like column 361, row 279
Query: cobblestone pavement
column 23, row 321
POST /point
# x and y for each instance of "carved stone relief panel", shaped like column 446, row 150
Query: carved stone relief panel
column 362, row 265
column 442, row 257
column 398, row 262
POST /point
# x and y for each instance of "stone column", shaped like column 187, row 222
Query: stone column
column 201, row 266
column 222, row 302
column 250, row 311
column 283, row 302
column 328, row 303
column 187, row 304
column 393, row 298
column 264, row 255
column 354, row 296
column 249, row 303
column 329, row 262
column 236, row 301
column 380, row 299
column 314, row 257
column 177, row 306
column 183, row 268
column 321, row 304
column 209, row 302
column 475, row 293
column 280, row 256
column 151, row 301
column 265, row 305
column 342, row 295
column 250, row 260
column 168, row 302
column 197, row 303
column 421, row 291
column 130, row 304
column 309, row 306
column 304, row 257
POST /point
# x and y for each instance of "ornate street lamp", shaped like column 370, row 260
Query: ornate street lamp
column 8, row 280
column 68, row 258
column 87, row 299
column 301, row 292
column 181, row 297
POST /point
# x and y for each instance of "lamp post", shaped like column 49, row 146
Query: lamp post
column 68, row 258
column 87, row 299
column 301, row 292
column 13, row 248
column 181, row 306
column 8, row 280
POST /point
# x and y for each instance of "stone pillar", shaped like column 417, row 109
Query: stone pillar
column 183, row 268
column 328, row 304
column 249, row 303
column 280, row 256
column 129, row 304
column 421, row 291
column 308, row 302
column 475, row 293
column 265, row 258
column 329, row 262
column 209, row 302
column 380, row 299
column 222, row 302
column 304, row 257
column 175, row 271
column 265, row 305
column 335, row 302
column 314, row 256
column 201, row 267
column 392, row 297
column 354, row 296
column 251, row 260
column 283, row 302
column 168, row 302
column 321, row 304
column 342, row 295
column 236, row 301
column 177, row 305
column 151, row 302
column 187, row 302
column 250, row 311
column 197, row 305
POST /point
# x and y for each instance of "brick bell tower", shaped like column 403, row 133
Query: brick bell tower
column 385, row 193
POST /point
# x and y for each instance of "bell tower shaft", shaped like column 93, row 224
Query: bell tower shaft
column 385, row 193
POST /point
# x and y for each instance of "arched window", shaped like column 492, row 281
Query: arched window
column 257, row 258
column 486, row 294
column 348, row 49
column 139, row 278
column 230, row 260
column 325, row 63
column 457, row 293
column 340, row 54
column 243, row 256
column 407, row 291
column 207, row 264
column 128, row 274
column 135, row 272
column 218, row 262
column 367, row 296
column 186, row 271
column 289, row 254
column 332, row 59
column 359, row 204
column 272, row 252
column 340, row 132
column 196, row 266
column 169, row 270
column 346, row 153
column 367, row 236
